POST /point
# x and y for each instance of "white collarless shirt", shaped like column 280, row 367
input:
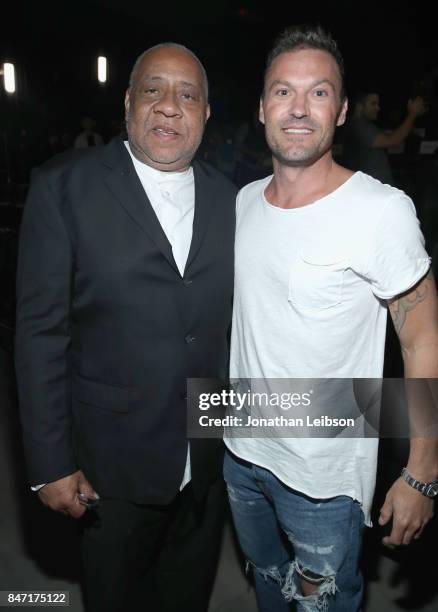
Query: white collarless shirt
column 172, row 196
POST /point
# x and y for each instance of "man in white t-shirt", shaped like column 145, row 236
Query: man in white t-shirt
column 321, row 255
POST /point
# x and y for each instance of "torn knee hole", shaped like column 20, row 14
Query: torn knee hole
column 306, row 586
column 310, row 582
column 308, row 576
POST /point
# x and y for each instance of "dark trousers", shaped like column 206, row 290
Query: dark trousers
column 153, row 558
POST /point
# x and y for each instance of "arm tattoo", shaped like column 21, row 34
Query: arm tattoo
column 406, row 302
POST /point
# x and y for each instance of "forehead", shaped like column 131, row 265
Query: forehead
column 304, row 65
column 169, row 63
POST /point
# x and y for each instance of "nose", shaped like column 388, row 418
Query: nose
column 168, row 104
column 299, row 105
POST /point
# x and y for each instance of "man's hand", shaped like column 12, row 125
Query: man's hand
column 63, row 494
column 409, row 510
column 417, row 107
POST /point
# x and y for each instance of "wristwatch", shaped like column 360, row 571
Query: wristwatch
column 429, row 489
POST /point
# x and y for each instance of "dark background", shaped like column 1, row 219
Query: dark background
column 390, row 46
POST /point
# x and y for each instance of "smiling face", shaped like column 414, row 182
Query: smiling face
column 301, row 106
column 166, row 109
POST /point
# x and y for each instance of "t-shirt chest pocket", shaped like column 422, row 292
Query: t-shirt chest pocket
column 316, row 280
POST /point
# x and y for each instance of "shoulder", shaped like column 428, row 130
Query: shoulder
column 71, row 163
column 253, row 190
column 388, row 210
column 361, row 129
column 367, row 206
column 361, row 124
column 372, row 192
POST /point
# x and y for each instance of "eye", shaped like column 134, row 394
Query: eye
column 321, row 93
column 188, row 96
column 150, row 90
column 281, row 92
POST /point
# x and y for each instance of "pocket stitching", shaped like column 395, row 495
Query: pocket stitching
column 319, row 266
column 92, row 393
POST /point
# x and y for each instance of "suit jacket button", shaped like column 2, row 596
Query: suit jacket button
column 189, row 338
column 187, row 282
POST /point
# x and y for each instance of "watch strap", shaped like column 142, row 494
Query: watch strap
column 428, row 489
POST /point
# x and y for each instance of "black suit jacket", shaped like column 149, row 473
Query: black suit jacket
column 108, row 331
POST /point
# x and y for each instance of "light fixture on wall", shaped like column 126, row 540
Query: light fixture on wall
column 8, row 71
column 102, row 66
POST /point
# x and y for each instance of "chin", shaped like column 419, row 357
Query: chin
column 164, row 160
column 171, row 164
column 161, row 157
column 302, row 158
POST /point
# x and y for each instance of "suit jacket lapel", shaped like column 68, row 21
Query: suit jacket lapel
column 125, row 185
column 203, row 197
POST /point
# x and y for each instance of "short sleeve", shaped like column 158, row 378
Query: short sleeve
column 397, row 257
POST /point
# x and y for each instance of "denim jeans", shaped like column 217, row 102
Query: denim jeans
column 285, row 535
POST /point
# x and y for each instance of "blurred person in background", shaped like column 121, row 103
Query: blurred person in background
column 253, row 158
column 88, row 137
column 365, row 145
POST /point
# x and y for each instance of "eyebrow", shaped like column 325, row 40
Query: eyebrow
column 313, row 84
column 149, row 78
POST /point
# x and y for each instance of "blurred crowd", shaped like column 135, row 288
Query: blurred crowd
column 401, row 150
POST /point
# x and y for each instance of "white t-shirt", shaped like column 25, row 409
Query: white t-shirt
column 309, row 302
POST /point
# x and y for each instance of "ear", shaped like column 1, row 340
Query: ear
column 261, row 112
column 207, row 113
column 127, row 102
column 342, row 113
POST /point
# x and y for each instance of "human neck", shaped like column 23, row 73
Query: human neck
column 294, row 187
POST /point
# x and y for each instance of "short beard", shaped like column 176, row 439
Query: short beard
column 294, row 163
column 307, row 159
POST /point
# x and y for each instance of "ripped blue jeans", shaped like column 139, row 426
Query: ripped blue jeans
column 286, row 536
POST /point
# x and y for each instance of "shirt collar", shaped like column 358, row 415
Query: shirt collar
column 158, row 176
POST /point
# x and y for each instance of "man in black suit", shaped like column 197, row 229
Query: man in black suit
column 124, row 291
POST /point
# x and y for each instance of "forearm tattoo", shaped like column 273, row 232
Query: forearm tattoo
column 408, row 301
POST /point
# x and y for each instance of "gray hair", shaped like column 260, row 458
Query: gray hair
column 169, row 45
